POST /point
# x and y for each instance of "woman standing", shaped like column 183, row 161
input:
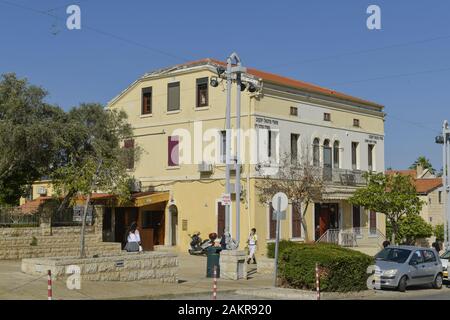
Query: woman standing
column 133, row 239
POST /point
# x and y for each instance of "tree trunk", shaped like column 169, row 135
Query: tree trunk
column 88, row 199
column 305, row 228
column 83, row 227
column 394, row 231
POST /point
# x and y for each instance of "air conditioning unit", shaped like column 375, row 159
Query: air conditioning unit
column 42, row 191
column 205, row 167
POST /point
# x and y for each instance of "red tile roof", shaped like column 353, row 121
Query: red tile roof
column 423, row 186
column 289, row 82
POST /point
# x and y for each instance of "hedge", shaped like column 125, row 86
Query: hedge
column 284, row 244
column 342, row 270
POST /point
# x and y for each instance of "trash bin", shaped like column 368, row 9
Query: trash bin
column 213, row 258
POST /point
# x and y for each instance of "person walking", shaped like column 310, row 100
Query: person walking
column 252, row 243
column 386, row 244
column 133, row 239
column 436, row 246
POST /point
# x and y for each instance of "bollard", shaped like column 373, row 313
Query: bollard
column 318, row 281
column 49, row 285
column 215, row 284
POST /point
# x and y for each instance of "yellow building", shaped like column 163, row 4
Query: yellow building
column 179, row 121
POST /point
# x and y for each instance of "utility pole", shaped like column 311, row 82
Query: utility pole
column 445, row 141
column 233, row 72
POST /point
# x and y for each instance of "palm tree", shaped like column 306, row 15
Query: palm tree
column 424, row 162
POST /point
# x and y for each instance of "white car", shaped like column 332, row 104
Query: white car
column 444, row 259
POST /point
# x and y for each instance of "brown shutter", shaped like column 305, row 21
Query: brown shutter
column 272, row 224
column 356, row 217
column 220, row 219
column 173, row 151
column 373, row 222
column 129, row 145
column 296, row 221
column 147, row 100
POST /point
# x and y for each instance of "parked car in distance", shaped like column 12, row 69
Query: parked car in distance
column 404, row 266
column 444, row 260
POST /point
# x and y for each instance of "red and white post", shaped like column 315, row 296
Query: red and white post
column 49, row 285
column 215, row 284
column 318, row 281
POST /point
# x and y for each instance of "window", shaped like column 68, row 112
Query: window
column 431, row 219
column 429, row 256
column 173, row 151
column 296, row 221
column 129, row 147
column 223, row 143
column 316, row 152
column 440, row 197
column 356, row 123
column 336, row 154
column 373, row 222
column 173, row 96
column 370, row 156
column 294, row 147
column 294, row 111
column 147, row 100
column 272, row 223
column 355, row 155
column 326, row 117
column 202, row 92
column 272, row 144
column 357, row 219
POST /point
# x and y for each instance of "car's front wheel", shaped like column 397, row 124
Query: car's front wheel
column 437, row 283
column 402, row 284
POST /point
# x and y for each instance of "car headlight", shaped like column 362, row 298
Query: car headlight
column 390, row 273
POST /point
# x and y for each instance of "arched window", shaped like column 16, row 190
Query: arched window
column 336, row 154
column 316, row 152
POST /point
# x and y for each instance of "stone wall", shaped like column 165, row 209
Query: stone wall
column 36, row 231
column 233, row 265
column 123, row 267
column 265, row 266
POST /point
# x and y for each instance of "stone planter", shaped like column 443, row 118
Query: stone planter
column 119, row 267
column 233, row 265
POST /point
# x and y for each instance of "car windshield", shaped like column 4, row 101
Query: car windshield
column 394, row 255
column 446, row 255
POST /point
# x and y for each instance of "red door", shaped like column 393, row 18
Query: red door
column 324, row 220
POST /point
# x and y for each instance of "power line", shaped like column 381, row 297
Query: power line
column 358, row 52
column 98, row 31
column 392, row 76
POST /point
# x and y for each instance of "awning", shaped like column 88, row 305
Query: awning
column 141, row 200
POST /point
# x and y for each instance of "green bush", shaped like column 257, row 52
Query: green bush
column 342, row 270
column 284, row 244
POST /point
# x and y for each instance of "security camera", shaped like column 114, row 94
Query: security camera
column 214, row 82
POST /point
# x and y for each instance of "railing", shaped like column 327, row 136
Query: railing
column 330, row 236
column 354, row 237
column 346, row 177
column 13, row 218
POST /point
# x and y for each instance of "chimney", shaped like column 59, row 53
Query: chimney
column 419, row 170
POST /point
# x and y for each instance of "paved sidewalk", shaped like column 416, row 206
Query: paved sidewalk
column 15, row 285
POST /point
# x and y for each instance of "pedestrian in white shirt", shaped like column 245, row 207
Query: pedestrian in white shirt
column 133, row 239
column 252, row 243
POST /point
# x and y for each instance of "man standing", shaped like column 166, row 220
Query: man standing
column 252, row 242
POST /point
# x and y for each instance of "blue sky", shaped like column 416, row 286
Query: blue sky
column 404, row 66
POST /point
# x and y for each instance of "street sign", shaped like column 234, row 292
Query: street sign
column 226, row 199
column 280, row 199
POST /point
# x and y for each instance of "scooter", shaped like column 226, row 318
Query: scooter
column 198, row 247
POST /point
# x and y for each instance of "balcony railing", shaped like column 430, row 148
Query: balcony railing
column 354, row 237
column 344, row 177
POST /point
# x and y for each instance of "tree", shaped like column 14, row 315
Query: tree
column 424, row 162
column 92, row 158
column 392, row 194
column 30, row 135
column 298, row 179
column 411, row 227
column 439, row 232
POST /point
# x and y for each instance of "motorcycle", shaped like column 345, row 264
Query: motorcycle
column 198, row 247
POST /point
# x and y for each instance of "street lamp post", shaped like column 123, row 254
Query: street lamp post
column 445, row 141
column 232, row 71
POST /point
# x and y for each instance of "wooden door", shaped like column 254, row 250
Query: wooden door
column 272, row 224
column 324, row 220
